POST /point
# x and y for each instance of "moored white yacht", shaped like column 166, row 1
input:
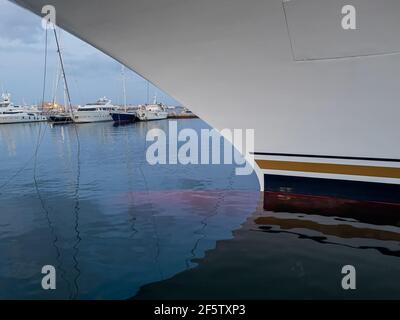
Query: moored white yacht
column 94, row 112
column 10, row 113
column 154, row 111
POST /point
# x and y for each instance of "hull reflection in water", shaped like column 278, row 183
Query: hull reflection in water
column 379, row 213
column 294, row 247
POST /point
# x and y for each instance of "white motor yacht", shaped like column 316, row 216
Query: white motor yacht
column 154, row 111
column 94, row 112
column 10, row 113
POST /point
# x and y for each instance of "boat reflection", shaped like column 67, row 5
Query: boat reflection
column 356, row 224
column 294, row 246
column 379, row 213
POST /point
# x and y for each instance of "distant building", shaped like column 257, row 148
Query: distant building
column 53, row 107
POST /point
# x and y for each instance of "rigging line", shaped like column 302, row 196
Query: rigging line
column 153, row 219
column 55, row 241
column 76, row 228
column 56, row 84
column 38, row 142
column 157, row 256
column 77, row 185
column 131, row 211
column 41, row 199
column 202, row 230
column 12, row 177
column 72, row 75
column 204, row 222
column 148, row 92
column 63, row 69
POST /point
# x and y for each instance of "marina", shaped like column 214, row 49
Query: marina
column 205, row 150
column 100, row 111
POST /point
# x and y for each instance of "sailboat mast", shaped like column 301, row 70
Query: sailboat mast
column 66, row 89
column 124, row 86
column 56, row 83
column 66, row 98
column 148, row 91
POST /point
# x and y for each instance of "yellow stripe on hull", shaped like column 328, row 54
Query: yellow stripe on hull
column 330, row 168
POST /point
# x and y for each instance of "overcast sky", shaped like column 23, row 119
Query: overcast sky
column 90, row 73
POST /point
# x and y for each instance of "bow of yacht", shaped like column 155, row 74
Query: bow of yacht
column 323, row 101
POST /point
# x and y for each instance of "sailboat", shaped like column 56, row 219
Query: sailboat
column 60, row 118
column 124, row 115
column 63, row 117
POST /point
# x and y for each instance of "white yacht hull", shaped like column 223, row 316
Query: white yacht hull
column 16, row 118
column 150, row 116
column 92, row 116
column 327, row 99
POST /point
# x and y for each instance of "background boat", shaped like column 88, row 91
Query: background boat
column 154, row 111
column 94, row 112
column 10, row 113
column 121, row 116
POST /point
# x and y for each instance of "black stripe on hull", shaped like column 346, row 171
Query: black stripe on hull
column 293, row 155
column 124, row 117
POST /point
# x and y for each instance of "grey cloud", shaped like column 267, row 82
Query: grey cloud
column 17, row 26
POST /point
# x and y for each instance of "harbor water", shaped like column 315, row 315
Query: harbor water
column 87, row 202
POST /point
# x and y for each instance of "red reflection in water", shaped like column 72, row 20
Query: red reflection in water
column 202, row 199
column 366, row 211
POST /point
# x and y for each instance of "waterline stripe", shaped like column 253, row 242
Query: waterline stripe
column 355, row 170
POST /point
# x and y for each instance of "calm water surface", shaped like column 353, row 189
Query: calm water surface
column 117, row 228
